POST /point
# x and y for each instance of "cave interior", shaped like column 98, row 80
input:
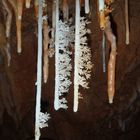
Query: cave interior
column 96, row 118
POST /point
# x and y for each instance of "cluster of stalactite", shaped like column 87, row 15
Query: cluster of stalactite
column 17, row 6
column 105, row 9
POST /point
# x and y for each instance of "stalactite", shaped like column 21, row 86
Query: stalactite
column 46, row 53
column 40, row 118
column 105, row 25
column 18, row 23
column 65, row 10
column 57, row 82
column 8, row 29
column 76, row 56
column 112, row 60
column 82, row 58
column 18, row 8
column 28, row 3
column 46, row 59
column 20, row 4
column 101, row 8
column 62, row 61
column 86, row 6
column 39, row 74
column 127, row 22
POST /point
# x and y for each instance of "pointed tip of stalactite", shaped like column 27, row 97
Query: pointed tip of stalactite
column 28, row 5
column 127, row 42
column 56, row 107
column 8, row 64
column 87, row 12
column 75, row 109
column 19, row 50
column 110, row 100
column 45, row 81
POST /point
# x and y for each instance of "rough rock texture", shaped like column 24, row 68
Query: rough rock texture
column 96, row 119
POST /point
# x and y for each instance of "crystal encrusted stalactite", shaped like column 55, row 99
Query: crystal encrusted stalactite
column 64, row 64
column 82, row 59
column 62, row 61
column 84, row 64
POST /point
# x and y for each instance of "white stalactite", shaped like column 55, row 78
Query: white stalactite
column 40, row 118
column 87, row 6
column 82, row 59
column 57, row 82
column 76, row 57
column 101, row 5
column 39, row 73
column 62, row 61
column 127, row 22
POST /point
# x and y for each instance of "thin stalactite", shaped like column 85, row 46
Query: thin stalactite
column 127, row 22
column 18, row 8
column 45, row 46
